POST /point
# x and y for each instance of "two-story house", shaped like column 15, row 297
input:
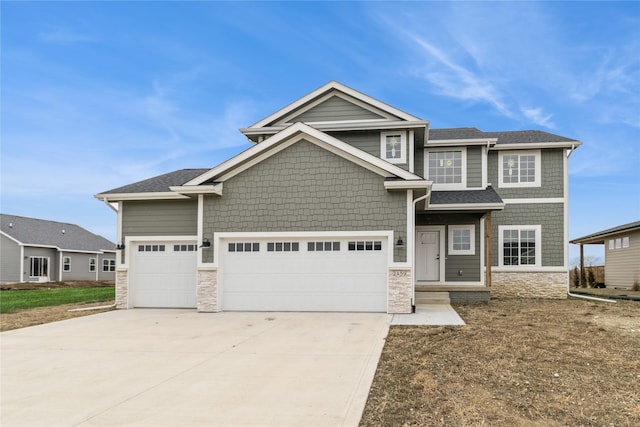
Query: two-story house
column 345, row 203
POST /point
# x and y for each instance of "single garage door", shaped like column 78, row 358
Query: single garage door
column 328, row 274
column 164, row 274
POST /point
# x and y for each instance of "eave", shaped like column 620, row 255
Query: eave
column 407, row 185
column 466, row 207
column 456, row 142
column 198, row 189
column 534, row 145
column 116, row 197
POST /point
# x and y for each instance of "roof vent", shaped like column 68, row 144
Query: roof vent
column 63, row 231
column 10, row 225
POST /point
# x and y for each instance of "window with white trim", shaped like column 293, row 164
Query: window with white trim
column 92, row 264
column 612, row 244
column 462, row 239
column 519, row 168
column 393, row 147
column 66, row 263
column 625, row 242
column 108, row 265
column 519, row 245
column 447, row 168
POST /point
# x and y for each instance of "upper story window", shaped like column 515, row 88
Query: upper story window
column 393, row 147
column 519, row 168
column 446, row 167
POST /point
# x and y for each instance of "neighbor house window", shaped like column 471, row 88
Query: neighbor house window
column 92, row 264
column 66, row 263
column 108, row 265
column 618, row 243
column 393, row 147
column 462, row 240
column 446, row 168
column 519, row 168
column 520, row 245
column 38, row 266
column 625, row 242
column 612, row 244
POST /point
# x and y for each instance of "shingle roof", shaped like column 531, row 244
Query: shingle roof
column 488, row 196
column 62, row 235
column 504, row 137
column 159, row 184
column 601, row 234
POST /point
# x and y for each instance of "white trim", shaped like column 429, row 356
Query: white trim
column 198, row 189
column 462, row 185
column 407, row 185
column 130, row 240
column 460, row 142
column 412, row 145
column 22, row 272
column 200, row 228
column 565, row 240
column 330, row 87
column 466, row 207
column 403, row 147
column 410, row 241
column 538, row 249
column 11, row 238
column 162, row 195
column 341, row 126
column 484, row 160
column 483, row 267
column 537, row 172
column 530, row 269
column 472, row 239
column 293, row 134
column 534, row 200
column 535, row 145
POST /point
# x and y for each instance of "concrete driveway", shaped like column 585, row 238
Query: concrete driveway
column 178, row 367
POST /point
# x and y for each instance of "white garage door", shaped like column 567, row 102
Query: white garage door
column 164, row 274
column 328, row 274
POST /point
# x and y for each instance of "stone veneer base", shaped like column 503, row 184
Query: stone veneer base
column 529, row 284
column 207, row 290
column 122, row 285
column 400, row 291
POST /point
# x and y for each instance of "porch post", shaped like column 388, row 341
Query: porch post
column 487, row 248
column 582, row 273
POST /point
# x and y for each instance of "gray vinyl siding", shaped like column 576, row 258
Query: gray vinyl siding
column 79, row 266
column 622, row 266
column 160, row 218
column 54, row 261
column 334, row 109
column 469, row 264
column 9, row 260
column 550, row 216
column 306, row 188
column 106, row 275
column 551, row 177
column 474, row 167
column 418, row 162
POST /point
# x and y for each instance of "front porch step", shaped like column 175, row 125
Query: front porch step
column 430, row 298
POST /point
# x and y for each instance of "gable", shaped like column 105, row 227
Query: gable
column 334, row 108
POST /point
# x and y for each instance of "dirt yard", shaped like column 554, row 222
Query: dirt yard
column 516, row 363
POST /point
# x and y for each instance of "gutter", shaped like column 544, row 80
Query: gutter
column 589, row 298
column 93, row 308
column 413, row 250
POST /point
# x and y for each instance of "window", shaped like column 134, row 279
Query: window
column 92, row 264
column 462, row 239
column 323, row 246
column 393, row 147
column 625, row 242
column 66, row 263
column 520, row 245
column 38, row 266
column 184, row 248
column 519, row 168
column 283, row 246
column 446, row 168
column 108, row 265
column 151, row 248
column 618, row 243
column 244, row 247
column 369, row 245
column 612, row 244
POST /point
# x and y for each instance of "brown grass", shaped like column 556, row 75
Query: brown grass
column 516, row 363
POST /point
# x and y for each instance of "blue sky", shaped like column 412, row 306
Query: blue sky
column 96, row 95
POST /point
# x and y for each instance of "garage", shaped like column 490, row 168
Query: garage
column 311, row 274
column 164, row 274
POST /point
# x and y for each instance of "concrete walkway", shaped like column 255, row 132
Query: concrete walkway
column 429, row 315
column 178, row 367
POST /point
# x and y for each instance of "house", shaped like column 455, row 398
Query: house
column 345, row 203
column 36, row 250
column 621, row 254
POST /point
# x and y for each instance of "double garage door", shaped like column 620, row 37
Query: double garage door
column 274, row 274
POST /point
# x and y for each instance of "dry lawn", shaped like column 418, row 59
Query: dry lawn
column 516, row 363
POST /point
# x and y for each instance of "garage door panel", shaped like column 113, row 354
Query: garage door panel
column 164, row 278
column 303, row 280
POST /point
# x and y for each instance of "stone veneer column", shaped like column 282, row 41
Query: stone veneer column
column 400, row 291
column 529, row 284
column 207, row 290
column 122, row 277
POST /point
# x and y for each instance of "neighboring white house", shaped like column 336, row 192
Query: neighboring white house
column 36, row 250
column 621, row 254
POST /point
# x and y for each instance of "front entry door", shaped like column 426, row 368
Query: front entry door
column 428, row 256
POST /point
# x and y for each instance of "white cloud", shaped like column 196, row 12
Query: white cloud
column 537, row 116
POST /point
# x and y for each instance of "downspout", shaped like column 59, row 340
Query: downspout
column 413, row 249
column 573, row 147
